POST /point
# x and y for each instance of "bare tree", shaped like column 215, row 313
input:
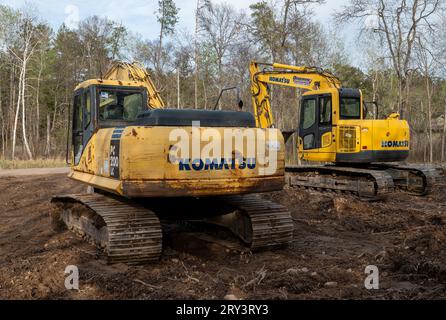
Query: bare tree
column 426, row 62
column 221, row 25
column 197, row 51
column 27, row 41
column 167, row 16
column 272, row 24
column 397, row 24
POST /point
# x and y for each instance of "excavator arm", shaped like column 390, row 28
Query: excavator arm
column 122, row 71
column 305, row 78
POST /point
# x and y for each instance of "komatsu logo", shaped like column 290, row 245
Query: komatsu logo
column 301, row 81
column 215, row 164
column 199, row 148
column 395, row 144
column 280, row 80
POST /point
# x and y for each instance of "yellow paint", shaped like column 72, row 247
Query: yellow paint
column 144, row 161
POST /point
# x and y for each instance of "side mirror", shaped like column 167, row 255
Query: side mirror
column 240, row 102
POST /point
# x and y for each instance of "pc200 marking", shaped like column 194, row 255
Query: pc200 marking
column 114, row 158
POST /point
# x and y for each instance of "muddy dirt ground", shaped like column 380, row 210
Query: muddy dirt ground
column 336, row 237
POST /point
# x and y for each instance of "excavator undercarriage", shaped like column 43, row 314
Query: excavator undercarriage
column 371, row 182
column 131, row 231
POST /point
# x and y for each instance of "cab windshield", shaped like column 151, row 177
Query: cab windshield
column 350, row 109
column 119, row 105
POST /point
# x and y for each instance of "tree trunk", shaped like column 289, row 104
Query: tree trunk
column 429, row 119
column 220, row 79
column 11, row 106
column 48, row 135
column 443, row 142
column 205, row 95
column 375, row 92
column 178, row 88
column 16, row 118
column 160, row 45
column 197, row 57
column 25, row 139
column 37, row 125
column 400, row 97
column 426, row 132
column 2, row 117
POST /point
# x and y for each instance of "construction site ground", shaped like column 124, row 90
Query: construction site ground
column 336, row 237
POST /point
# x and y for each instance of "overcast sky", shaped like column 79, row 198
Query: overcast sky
column 137, row 15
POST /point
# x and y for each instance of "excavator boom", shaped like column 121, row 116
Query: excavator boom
column 305, row 78
column 122, row 71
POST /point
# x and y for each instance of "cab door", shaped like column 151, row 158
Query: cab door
column 83, row 123
column 325, row 123
column 316, row 122
column 77, row 127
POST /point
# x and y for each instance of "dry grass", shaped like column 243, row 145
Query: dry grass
column 37, row 163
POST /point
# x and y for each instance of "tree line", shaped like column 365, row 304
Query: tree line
column 398, row 61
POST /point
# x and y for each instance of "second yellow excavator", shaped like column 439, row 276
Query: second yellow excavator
column 334, row 129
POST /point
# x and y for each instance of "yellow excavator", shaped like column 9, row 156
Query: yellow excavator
column 146, row 166
column 334, row 128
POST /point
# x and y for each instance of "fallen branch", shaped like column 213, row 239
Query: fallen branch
column 189, row 277
column 260, row 275
column 147, row 285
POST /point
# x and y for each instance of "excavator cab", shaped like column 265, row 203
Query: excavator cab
column 321, row 111
column 99, row 106
column 334, row 128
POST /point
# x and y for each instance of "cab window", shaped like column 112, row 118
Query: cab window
column 350, row 109
column 325, row 110
column 87, row 100
column 77, row 128
column 78, row 114
column 119, row 105
column 308, row 113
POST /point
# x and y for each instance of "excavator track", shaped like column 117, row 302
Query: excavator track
column 367, row 184
column 126, row 232
column 259, row 223
column 413, row 179
column 131, row 233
